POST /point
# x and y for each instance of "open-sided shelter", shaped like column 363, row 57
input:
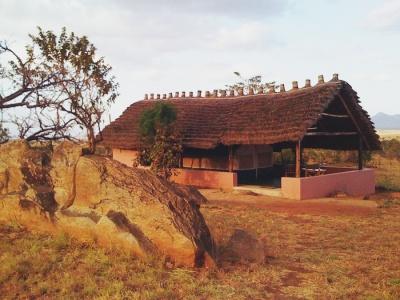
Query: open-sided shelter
column 229, row 138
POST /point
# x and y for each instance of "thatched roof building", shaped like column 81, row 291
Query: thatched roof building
column 230, row 139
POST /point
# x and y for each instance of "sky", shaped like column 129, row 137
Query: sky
column 164, row 46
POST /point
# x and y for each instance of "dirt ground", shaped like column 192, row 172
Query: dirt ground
column 318, row 207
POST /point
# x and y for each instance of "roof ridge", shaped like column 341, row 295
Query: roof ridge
column 226, row 93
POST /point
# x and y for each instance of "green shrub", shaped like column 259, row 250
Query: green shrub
column 161, row 115
column 160, row 144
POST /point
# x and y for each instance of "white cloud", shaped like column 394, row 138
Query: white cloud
column 386, row 16
column 251, row 36
column 152, row 44
column 241, row 9
column 162, row 46
column 147, row 26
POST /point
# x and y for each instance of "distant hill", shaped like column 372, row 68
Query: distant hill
column 385, row 121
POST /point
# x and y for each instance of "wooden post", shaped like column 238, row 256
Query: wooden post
column 230, row 159
column 360, row 153
column 255, row 161
column 298, row 159
column 301, row 156
column 181, row 161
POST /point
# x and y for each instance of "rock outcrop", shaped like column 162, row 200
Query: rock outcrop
column 98, row 196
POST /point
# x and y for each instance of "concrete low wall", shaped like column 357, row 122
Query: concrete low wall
column 206, row 178
column 126, row 157
column 356, row 183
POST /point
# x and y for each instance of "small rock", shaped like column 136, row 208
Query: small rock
column 244, row 247
column 168, row 263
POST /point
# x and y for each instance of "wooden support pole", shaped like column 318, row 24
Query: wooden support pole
column 298, row 159
column 255, row 161
column 301, row 155
column 360, row 153
column 230, row 159
column 181, row 161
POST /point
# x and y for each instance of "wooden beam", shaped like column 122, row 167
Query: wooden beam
column 353, row 119
column 360, row 153
column 323, row 133
column 298, row 159
column 334, row 115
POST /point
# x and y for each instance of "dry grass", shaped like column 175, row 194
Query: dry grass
column 389, row 134
column 38, row 266
column 321, row 255
column 386, row 164
column 387, row 172
column 318, row 251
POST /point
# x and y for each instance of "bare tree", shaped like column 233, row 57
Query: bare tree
column 87, row 105
column 43, row 124
column 63, row 81
column 28, row 79
column 82, row 78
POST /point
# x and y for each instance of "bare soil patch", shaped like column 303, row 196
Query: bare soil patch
column 317, row 207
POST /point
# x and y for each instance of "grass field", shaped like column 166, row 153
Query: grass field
column 389, row 134
column 319, row 249
column 387, row 172
column 387, row 168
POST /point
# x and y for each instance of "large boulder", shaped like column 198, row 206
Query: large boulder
column 11, row 158
column 64, row 160
column 94, row 195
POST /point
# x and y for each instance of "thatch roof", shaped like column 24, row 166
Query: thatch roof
column 272, row 118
